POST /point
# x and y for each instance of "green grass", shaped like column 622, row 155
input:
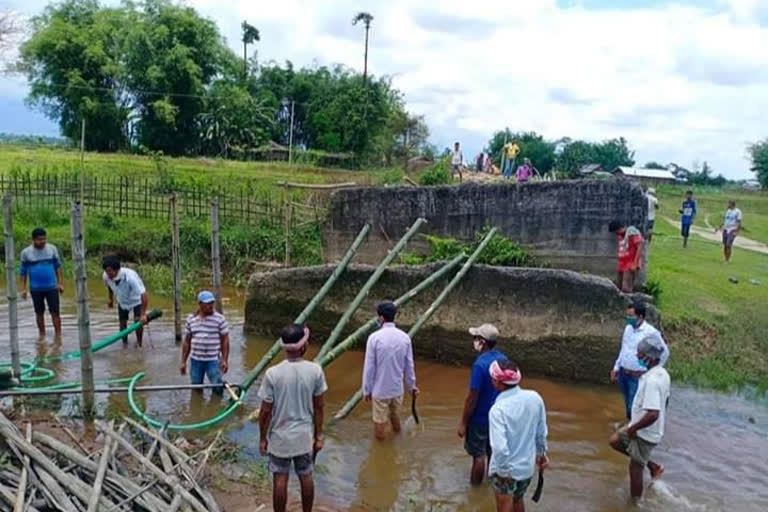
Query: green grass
column 716, row 328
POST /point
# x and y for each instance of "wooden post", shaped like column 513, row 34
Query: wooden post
column 82, row 162
column 287, row 219
column 83, row 319
column 10, row 284
column 215, row 252
column 176, row 258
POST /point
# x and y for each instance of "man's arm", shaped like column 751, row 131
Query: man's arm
column 265, row 418
column 615, row 371
column 144, row 304
column 469, row 407
column 111, row 298
column 57, row 266
column 369, row 368
column 648, row 419
column 498, row 439
column 410, row 371
column 541, row 438
column 224, row 352
column 23, row 286
column 665, row 354
column 186, row 347
column 318, row 417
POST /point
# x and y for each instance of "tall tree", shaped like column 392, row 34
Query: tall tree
column 532, row 145
column 250, row 36
column 654, row 165
column 758, row 153
column 366, row 19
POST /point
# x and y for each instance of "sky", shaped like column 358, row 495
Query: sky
column 683, row 81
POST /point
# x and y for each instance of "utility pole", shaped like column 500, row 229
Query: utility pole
column 83, row 318
column 10, row 283
column 290, row 134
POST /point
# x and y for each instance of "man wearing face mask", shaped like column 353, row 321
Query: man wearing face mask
column 628, row 369
column 481, row 396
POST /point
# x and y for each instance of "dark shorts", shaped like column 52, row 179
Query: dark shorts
column 39, row 298
column 685, row 230
column 509, row 486
column 728, row 238
column 477, row 442
column 123, row 313
column 302, row 464
column 639, row 450
column 649, row 226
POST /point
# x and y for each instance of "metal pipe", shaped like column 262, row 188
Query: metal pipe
column 114, row 389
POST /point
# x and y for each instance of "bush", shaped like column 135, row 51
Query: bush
column 437, row 174
column 653, row 288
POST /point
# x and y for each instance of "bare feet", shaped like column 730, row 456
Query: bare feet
column 657, row 473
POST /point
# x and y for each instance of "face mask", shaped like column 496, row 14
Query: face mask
column 478, row 345
column 642, row 363
column 630, row 320
column 378, row 323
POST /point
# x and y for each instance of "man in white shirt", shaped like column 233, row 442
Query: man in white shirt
column 649, row 411
column 131, row 294
column 457, row 161
column 731, row 226
column 627, row 370
column 653, row 205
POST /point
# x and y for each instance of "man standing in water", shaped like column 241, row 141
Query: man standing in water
column 131, row 294
column 291, row 417
column 518, row 428
column 474, row 421
column 627, row 369
column 388, row 360
column 649, row 411
column 206, row 340
column 731, row 226
column 40, row 262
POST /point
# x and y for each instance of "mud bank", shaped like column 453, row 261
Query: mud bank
column 553, row 322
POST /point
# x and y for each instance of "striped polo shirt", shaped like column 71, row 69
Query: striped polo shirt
column 206, row 332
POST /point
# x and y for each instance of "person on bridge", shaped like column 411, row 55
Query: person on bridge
column 291, row 417
column 627, row 370
column 653, row 205
column 731, row 226
column 206, row 343
column 131, row 294
column 649, row 411
column 41, row 269
column 629, row 249
column 473, row 427
column 525, row 171
column 511, row 150
column 388, row 361
column 688, row 214
column 518, row 433
column 457, row 161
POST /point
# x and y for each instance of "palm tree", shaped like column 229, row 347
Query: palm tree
column 366, row 19
column 250, row 36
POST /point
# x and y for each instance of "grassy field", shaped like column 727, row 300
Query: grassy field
column 716, row 327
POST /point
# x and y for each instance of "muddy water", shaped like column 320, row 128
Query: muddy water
column 715, row 448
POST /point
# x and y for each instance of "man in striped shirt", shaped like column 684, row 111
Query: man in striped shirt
column 206, row 340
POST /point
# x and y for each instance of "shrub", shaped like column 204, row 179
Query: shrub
column 437, row 174
column 653, row 288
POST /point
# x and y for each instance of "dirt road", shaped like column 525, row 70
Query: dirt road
column 710, row 234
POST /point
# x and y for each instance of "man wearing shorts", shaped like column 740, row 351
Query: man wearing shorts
column 474, row 421
column 649, row 410
column 688, row 212
column 388, row 361
column 41, row 270
column 291, row 417
column 457, row 161
column 127, row 286
column 731, row 226
column 629, row 250
column 518, row 432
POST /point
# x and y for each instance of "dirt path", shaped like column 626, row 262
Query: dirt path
column 741, row 242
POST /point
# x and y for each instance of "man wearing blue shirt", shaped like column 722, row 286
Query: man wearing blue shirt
column 688, row 212
column 41, row 269
column 474, row 421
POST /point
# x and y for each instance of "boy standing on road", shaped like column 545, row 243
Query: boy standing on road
column 41, row 267
column 731, row 226
column 688, row 212
column 291, row 417
column 131, row 294
column 629, row 251
column 474, row 421
column 207, row 342
column 388, row 361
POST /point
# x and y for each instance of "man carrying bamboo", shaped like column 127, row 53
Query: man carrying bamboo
column 291, row 417
column 388, row 360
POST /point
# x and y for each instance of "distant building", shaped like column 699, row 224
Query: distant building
column 645, row 176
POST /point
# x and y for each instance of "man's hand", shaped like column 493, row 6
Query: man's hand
column 462, row 430
column 542, row 462
column 263, row 447
column 24, row 295
column 318, row 445
column 415, row 391
column 614, row 376
column 143, row 319
column 183, row 368
column 367, row 398
column 60, row 287
column 110, row 304
column 224, row 367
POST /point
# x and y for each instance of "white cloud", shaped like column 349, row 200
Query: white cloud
column 679, row 81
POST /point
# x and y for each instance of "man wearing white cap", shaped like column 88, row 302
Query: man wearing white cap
column 206, row 340
column 649, row 410
column 291, row 417
column 474, row 421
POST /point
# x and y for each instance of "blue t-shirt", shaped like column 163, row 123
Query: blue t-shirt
column 689, row 211
column 480, row 380
column 40, row 266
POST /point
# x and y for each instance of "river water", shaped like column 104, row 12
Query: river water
column 715, row 449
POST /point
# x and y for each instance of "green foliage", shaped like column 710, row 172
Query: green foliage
column 704, row 177
column 532, row 145
column 653, row 288
column 392, row 177
column 758, row 153
column 608, row 154
column 437, row 174
column 654, row 165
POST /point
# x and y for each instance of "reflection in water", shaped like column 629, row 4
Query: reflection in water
column 715, row 457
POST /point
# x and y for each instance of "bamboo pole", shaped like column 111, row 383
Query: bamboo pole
column 19, row 505
column 216, row 252
column 83, row 318
column 287, row 224
column 353, row 338
column 10, row 285
column 101, row 471
column 355, row 399
column 363, row 293
column 310, row 307
column 176, row 261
